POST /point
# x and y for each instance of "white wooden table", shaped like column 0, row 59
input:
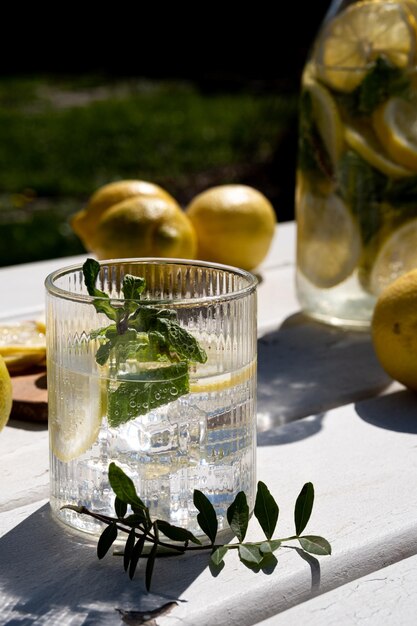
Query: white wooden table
column 327, row 413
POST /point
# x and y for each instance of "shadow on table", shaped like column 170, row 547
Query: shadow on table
column 306, row 368
column 49, row 575
column 396, row 411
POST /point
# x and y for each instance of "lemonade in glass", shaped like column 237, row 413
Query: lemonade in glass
column 356, row 193
column 151, row 365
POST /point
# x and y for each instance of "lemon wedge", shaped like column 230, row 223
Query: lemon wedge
column 223, row 381
column 74, row 415
column 395, row 123
column 327, row 118
column 354, row 39
column 397, row 255
column 22, row 345
column 369, row 148
column 329, row 242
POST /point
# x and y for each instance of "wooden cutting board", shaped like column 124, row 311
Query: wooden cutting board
column 30, row 396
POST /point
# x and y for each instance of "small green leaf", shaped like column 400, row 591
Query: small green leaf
column 149, row 566
column 270, row 546
column 303, row 507
column 207, row 518
column 132, row 287
column 176, row 533
column 91, row 270
column 180, row 341
column 315, row 545
column 123, row 486
column 149, row 389
column 238, row 516
column 135, row 555
column 218, row 555
column 106, row 540
column 136, row 520
column 266, row 510
column 103, row 353
column 130, row 543
column 250, row 553
column 120, row 507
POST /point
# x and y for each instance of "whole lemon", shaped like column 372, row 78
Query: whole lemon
column 5, row 394
column 85, row 221
column 394, row 329
column 235, row 225
column 144, row 226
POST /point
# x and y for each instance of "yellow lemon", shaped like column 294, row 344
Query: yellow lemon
column 144, row 227
column 5, row 394
column 328, row 238
column 85, row 221
column 395, row 123
column 235, row 225
column 327, row 118
column 369, row 148
column 22, row 345
column 394, row 325
column 354, row 39
column 396, row 256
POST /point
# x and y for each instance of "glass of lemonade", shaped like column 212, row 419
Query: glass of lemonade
column 162, row 383
column 356, row 196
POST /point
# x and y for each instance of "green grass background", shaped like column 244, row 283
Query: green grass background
column 61, row 140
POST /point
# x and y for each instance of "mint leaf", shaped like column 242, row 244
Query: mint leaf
column 132, row 287
column 238, row 516
column 180, row 341
column 91, row 270
column 362, row 187
column 149, row 389
column 266, row 510
column 383, row 81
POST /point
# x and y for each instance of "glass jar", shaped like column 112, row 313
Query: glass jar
column 356, row 191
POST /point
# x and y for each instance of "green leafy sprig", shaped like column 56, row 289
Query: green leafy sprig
column 144, row 334
column 142, row 531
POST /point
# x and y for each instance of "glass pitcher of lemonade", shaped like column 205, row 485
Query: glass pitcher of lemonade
column 356, row 193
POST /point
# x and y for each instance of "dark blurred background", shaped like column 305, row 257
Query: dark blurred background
column 184, row 106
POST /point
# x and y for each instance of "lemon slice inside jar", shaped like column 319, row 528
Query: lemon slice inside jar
column 368, row 147
column 354, row 39
column 327, row 118
column 396, row 256
column 329, row 241
column 395, row 123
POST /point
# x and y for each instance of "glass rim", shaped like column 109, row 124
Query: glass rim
column 252, row 281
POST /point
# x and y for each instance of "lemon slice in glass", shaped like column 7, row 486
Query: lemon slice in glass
column 397, row 255
column 22, row 345
column 369, row 148
column 327, row 118
column 5, row 394
column 75, row 416
column 329, row 242
column 224, row 381
column 354, row 39
column 395, row 123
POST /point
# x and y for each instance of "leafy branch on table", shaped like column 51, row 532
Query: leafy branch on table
column 142, row 530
